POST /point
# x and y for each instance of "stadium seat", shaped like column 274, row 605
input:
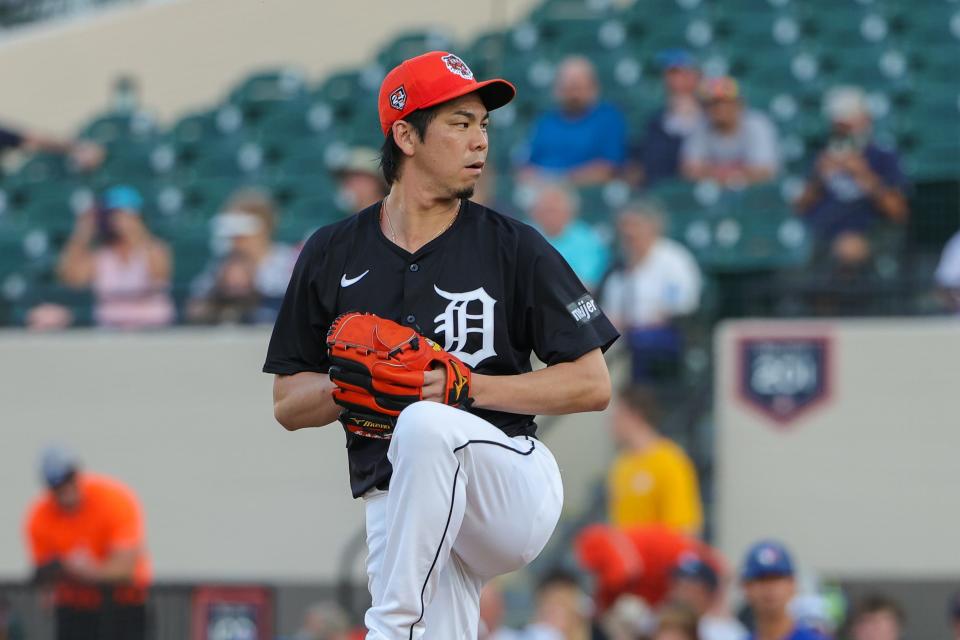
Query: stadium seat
column 235, row 158
column 44, row 167
column 109, row 128
column 412, row 44
column 264, row 91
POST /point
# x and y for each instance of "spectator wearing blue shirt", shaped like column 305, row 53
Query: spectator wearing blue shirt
column 554, row 213
column 856, row 184
column 584, row 139
column 665, row 132
column 769, row 586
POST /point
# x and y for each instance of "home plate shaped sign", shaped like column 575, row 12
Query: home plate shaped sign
column 784, row 377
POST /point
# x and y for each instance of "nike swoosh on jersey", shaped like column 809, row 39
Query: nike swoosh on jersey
column 346, row 282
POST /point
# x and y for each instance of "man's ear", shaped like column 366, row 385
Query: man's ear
column 404, row 136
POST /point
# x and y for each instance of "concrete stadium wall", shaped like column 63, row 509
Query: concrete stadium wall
column 864, row 484
column 187, row 53
column 185, row 417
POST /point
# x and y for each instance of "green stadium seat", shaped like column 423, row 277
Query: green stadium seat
column 412, row 44
column 109, row 128
column 486, row 54
column 313, row 212
column 135, row 160
column 44, row 167
column 265, row 91
column 228, row 159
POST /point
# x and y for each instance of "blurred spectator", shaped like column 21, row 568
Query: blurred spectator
column 234, row 298
column 584, row 139
column 10, row 626
column 735, row 146
column 85, row 155
column 125, row 95
column 652, row 481
column 670, row 126
column 676, row 622
column 948, row 273
column 85, row 535
column 359, row 179
column 855, row 184
column 696, row 584
column 954, row 611
column 324, row 621
column 636, row 560
column 555, row 213
column 877, row 617
column 48, row 316
column 629, row 618
column 244, row 234
column 491, row 615
column 112, row 251
column 769, row 586
column 563, row 609
column 658, row 282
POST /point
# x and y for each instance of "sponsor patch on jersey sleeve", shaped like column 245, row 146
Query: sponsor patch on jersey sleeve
column 584, row 310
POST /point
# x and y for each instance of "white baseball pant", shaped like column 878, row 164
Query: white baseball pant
column 466, row 503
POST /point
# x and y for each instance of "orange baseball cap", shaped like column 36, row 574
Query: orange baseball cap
column 433, row 78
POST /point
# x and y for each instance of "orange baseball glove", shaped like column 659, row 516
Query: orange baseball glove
column 378, row 366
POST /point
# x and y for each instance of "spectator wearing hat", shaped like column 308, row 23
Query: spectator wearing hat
column 696, row 584
column 769, row 586
column 85, row 535
column 359, row 179
column 112, row 251
column 735, row 146
column 855, row 185
column 555, row 213
column 877, row 617
column 652, row 480
column 248, row 279
column 668, row 128
column 584, row 139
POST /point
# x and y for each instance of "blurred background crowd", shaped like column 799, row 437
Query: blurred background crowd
column 693, row 161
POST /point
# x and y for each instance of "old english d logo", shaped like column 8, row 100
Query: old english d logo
column 783, row 377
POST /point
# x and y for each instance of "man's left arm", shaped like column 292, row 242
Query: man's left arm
column 566, row 387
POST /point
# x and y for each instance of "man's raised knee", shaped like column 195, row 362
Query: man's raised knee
column 423, row 422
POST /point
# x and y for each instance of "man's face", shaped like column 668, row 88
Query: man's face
column 681, row 80
column 878, row 625
column 67, row 495
column 692, row 593
column 769, row 597
column 623, row 422
column 852, row 126
column 724, row 114
column 361, row 189
column 576, row 87
column 552, row 211
column 638, row 235
column 454, row 148
column 561, row 607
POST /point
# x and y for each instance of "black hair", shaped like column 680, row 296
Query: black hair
column 558, row 577
column 390, row 153
column 641, row 400
column 876, row 603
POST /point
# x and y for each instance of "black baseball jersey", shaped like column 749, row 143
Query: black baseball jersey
column 489, row 289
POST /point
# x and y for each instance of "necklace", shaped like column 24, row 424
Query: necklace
column 393, row 233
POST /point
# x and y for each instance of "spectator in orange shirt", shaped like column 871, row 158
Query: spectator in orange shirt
column 636, row 561
column 86, row 538
column 652, row 481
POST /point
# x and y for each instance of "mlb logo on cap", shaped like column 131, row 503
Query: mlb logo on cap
column 767, row 559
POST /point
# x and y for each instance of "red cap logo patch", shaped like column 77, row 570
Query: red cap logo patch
column 398, row 99
column 458, row 66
